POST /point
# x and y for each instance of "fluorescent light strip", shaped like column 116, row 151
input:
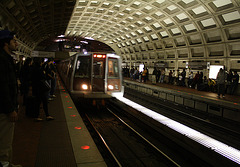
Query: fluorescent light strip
column 217, row 146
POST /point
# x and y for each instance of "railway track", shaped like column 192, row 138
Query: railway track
column 125, row 138
column 133, row 143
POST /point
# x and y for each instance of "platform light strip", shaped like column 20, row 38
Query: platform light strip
column 217, row 146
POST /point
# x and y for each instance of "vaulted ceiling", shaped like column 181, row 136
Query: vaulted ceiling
column 136, row 29
column 36, row 20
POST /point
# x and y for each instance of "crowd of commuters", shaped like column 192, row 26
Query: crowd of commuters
column 226, row 82
column 16, row 81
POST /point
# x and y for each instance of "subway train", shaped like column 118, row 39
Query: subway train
column 94, row 76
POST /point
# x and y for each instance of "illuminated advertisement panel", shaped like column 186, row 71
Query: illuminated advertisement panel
column 141, row 66
column 214, row 69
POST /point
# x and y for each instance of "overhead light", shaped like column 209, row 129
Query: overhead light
column 84, row 42
column 90, row 38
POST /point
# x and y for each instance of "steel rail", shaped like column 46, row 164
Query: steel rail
column 165, row 155
column 103, row 140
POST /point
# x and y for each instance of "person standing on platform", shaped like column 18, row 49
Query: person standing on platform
column 53, row 79
column 158, row 75
column 131, row 73
column 19, row 66
column 195, row 80
column 49, row 75
column 144, row 74
column 154, row 74
column 229, row 81
column 135, row 74
column 183, row 77
column 38, row 89
column 221, row 77
column 147, row 73
column 162, row 76
column 170, row 77
column 177, row 77
column 25, row 78
column 8, row 96
column 190, row 79
column 234, row 83
column 173, row 77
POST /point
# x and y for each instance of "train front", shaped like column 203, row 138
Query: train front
column 97, row 76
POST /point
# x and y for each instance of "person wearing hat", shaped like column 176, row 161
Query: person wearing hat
column 8, row 96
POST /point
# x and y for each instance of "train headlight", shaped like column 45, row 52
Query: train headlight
column 110, row 87
column 84, row 87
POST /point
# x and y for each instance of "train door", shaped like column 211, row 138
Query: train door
column 113, row 74
column 69, row 74
column 98, row 73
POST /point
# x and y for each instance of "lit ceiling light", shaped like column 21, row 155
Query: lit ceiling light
column 61, row 36
column 90, row 38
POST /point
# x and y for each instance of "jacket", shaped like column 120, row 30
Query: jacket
column 8, row 84
column 221, row 77
column 37, row 76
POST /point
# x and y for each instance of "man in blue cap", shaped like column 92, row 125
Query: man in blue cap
column 8, row 96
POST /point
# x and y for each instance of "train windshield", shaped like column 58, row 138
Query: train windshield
column 113, row 70
column 83, row 67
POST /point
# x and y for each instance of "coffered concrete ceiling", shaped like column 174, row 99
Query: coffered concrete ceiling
column 35, row 21
column 135, row 29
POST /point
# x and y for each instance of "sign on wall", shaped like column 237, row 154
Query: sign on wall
column 42, row 54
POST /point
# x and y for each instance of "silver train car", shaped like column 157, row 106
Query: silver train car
column 92, row 75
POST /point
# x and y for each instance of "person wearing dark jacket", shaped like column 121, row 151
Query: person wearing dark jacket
column 8, row 96
column 234, row 84
column 49, row 76
column 53, row 78
column 221, row 77
column 25, row 78
column 38, row 88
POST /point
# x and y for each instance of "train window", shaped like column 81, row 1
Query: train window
column 70, row 67
column 98, row 68
column 113, row 68
column 66, row 67
column 83, row 69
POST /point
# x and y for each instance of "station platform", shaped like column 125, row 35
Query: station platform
column 227, row 107
column 188, row 136
column 64, row 141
